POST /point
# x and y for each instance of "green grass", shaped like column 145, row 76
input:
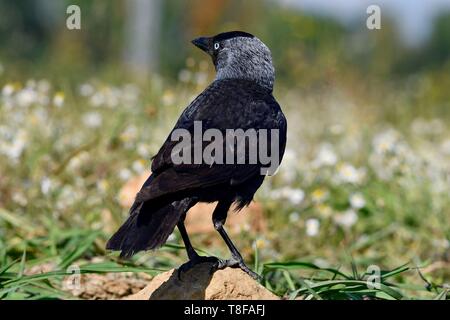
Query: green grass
column 62, row 169
column 291, row 280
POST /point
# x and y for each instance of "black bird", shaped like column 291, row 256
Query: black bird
column 239, row 97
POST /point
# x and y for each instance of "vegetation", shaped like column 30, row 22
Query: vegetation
column 363, row 187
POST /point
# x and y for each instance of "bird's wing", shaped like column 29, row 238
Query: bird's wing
column 223, row 105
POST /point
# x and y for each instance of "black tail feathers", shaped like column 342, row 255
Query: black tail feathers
column 147, row 227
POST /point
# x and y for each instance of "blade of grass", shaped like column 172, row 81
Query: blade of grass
column 7, row 267
column 292, row 265
column 113, row 267
column 310, row 290
column 288, row 279
column 394, row 272
column 375, row 237
column 88, row 268
column 15, row 220
column 363, row 284
column 80, row 249
column 22, row 263
column 442, row 295
column 256, row 259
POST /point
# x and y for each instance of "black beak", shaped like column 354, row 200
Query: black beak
column 202, row 43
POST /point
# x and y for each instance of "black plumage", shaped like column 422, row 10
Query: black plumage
column 166, row 196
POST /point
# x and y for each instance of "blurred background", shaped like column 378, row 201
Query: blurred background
column 366, row 176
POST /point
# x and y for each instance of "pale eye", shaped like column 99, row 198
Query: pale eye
column 216, row 46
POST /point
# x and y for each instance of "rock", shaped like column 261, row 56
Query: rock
column 107, row 286
column 198, row 284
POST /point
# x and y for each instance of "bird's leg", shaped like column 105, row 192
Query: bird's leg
column 194, row 257
column 219, row 218
column 192, row 254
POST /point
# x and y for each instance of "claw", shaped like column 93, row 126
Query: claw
column 238, row 263
column 251, row 273
column 218, row 264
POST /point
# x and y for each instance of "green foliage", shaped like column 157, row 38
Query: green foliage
column 359, row 187
column 364, row 182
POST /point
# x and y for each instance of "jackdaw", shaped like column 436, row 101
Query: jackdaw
column 240, row 97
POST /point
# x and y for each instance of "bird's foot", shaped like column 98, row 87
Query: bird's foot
column 216, row 264
column 239, row 263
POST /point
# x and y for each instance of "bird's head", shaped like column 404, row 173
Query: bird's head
column 239, row 55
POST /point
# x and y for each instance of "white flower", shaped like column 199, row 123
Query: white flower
column 124, row 174
column 86, row 89
column 112, row 97
column 324, row 210
column 93, row 119
column 77, row 161
column 58, row 99
column 172, row 237
column 346, row 219
column 295, row 196
column 26, row 97
column 97, row 99
column 143, row 150
column 290, row 156
column 319, row 195
column 312, row 227
column 322, row 263
column 261, row 243
column 385, row 141
column 102, row 185
column 67, row 197
column 14, row 150
column 46, row 185
column 19, row 198
column 168, row 98
column 357, row 201
column 184, row 75
column 441, row 243
column 294, row 217
column 325, row 156
column 8, row 90
column 130, row 133
column 201, row 78
column 43, row 86
column 288, row 167
column 445, row 147
column 138, row 166
column 349, row 174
